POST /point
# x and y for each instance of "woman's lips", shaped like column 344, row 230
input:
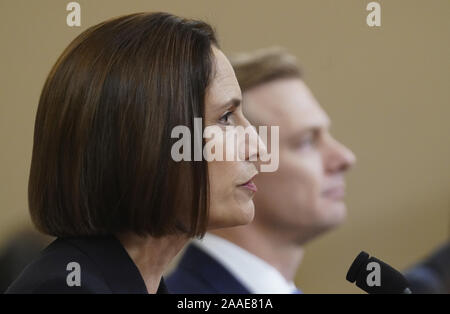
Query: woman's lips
column 249, row 185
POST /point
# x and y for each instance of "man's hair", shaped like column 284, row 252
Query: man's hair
column 263, row 66
column 101, row 161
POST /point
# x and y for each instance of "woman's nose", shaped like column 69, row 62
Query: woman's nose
column 254, row 147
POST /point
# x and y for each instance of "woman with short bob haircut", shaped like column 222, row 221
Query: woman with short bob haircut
column 102, row 177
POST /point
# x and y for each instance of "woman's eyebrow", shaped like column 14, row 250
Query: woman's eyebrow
column 234, row 102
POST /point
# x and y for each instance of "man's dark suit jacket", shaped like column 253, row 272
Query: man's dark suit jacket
column 105, row 267
column 197, row 272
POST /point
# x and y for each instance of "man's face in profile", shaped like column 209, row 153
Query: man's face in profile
column 305, row 196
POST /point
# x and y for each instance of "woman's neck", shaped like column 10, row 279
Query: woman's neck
column 152, row 255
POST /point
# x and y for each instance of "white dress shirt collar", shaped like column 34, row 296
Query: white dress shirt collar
column 255, row 274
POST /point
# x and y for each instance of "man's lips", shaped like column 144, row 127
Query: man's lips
column 336, row 193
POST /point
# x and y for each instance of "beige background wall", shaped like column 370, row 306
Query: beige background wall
column 387, row 91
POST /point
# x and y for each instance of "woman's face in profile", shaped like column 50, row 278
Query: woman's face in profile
column 231, row 194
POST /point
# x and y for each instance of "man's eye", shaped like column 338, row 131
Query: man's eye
column 308, row 141
column 224, row 119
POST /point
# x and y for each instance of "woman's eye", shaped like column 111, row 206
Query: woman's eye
column 224, row 119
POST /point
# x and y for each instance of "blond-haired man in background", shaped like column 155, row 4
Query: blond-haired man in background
column 294, row 205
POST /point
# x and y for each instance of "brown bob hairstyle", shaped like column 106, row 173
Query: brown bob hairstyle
column 101, row 160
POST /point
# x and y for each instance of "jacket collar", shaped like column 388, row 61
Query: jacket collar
column 211, row 271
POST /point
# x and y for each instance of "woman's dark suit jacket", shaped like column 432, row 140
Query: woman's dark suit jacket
column 105, row 267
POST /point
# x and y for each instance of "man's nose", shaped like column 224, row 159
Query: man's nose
column 338, row 157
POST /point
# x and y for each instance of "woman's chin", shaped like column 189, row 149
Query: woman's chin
column 247, row 213
column 237, row 216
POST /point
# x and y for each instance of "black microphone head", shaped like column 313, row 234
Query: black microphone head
column 375, row 276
